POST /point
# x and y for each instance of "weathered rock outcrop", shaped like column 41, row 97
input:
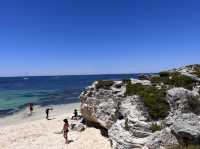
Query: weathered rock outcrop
column 100, row 106
column 186, row 128
column 132, row 131
column 122, row 138
column 128, row 117
column 161, row 139
column 179, row 99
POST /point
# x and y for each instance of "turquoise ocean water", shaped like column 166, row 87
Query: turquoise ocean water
column 17, row 92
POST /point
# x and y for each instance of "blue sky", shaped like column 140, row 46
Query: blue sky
column 56, row 37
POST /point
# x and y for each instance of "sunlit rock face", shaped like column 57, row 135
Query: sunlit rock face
column 128, row 116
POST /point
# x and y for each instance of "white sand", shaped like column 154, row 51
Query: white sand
column 20, row 131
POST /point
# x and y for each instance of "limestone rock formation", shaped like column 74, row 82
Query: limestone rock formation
column 100, row 106
column 186, row 128
column 179, row 99
column 130, row 118
column 122, row 138
column 161, row 139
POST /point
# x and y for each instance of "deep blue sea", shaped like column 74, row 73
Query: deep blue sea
column 16, row 92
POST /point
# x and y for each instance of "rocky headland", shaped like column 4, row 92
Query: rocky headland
column 157, row 111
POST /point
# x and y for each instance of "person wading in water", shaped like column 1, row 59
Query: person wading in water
column 47, row 112
column 31, row 108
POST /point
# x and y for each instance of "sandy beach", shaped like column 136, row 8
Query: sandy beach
column 22, row 131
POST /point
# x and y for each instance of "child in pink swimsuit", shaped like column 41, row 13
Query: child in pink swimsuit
column 66, row 130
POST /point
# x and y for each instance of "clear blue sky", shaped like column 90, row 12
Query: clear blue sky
column 47, row 37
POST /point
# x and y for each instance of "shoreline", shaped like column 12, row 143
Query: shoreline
column 38, row 113
column 9, row 112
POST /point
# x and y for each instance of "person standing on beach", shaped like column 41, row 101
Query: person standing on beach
column 31, row 107
column 66, row 130
column 47, row 112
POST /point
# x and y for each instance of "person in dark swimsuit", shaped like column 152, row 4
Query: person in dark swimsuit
column 31, row 107
column 75, row 115
column 66, row 130
column 47, row 112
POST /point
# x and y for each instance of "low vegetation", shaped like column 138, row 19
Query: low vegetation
column 153, row 98
column 114, row 117
column 164, row 74
column 155, row 127
column 196, row 69
column 126, row 126
column 173, row 79
column 187, row 147
column 104, row 84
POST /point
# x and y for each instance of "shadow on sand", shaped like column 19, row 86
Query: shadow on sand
column 104, row 132
column 50, row 119
column 70, row 141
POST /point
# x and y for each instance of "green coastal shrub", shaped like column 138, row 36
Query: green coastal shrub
column 126, row 125
column 104, row 84
column 155, row 127
column 164, row 74
column 157, row 80
column 153, row 98
column 197, row 70
column 180, row 80
column 174, row 79
column 114, row 117
column 187, row 147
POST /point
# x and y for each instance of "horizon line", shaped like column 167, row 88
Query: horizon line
column 12, row 76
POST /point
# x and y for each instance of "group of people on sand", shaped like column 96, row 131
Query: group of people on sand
column 66, row 123
column 76, row 116
column 46, row 111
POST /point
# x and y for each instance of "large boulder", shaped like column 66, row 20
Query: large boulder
column 186, row 127
column 179, row 99
column 99, row 106
column 161, row 139
column 133, row 130
column 122, row 138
